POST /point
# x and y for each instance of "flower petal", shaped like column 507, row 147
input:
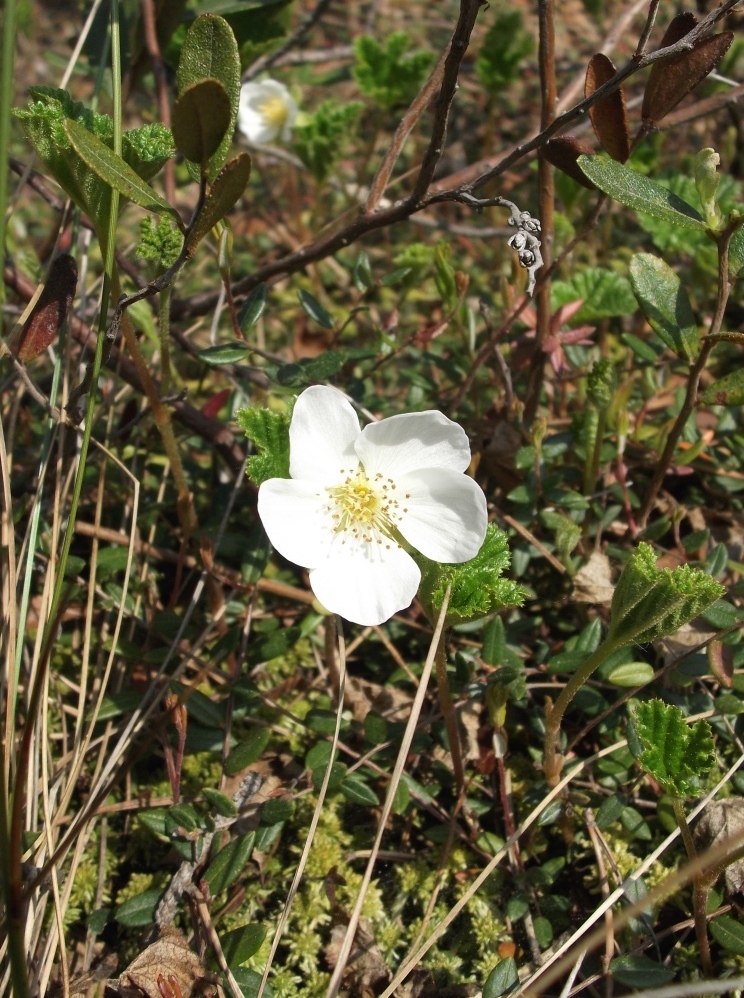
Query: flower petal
column 401, row 444
column 296, row 520
column 321, row 436
column 266, row 111
column 366, row 583
column 445, row 514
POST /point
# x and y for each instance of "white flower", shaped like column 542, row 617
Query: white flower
column 354, row 493
column 266, row 111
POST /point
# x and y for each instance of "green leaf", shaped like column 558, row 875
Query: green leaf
column 275, row 645
column 390, row 74
column 736, row 253
column 276, row 810
column 211, row 52
column 252, row 308
column 201, row 120
column 640, row 972
column 363, row 278
column 631, row 674
column 725, row 391
column 503, row 49
column 355, row 789
column 220, row 802
column 229, row 863
column 321, row 137
column 228, row 186
column 478, row 589
column 665, row 304
column 322, row 722
column 315, row 310
column 269, row 432
column 309, row 370
column 252, row 747
column 140, row 909
column 98, row 920
column 224, row 353
column 639, row 193
column 604, row 293
column 611, row 810
column 673, row 752
column 502, row 980
column 184, row 816
column 649, row 604
column 728, row 933
column 241, row 944
column 114, row 172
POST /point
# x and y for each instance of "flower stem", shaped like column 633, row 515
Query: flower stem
column 700, row 890
column 553, row 760
column 450, row 717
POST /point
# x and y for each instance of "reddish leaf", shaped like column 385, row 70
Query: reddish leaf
column 563, row 151
column 672, row 79
column 212, row 407
column 50, row 311
column 609, row 117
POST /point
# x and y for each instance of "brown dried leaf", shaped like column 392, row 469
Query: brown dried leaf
column 672, row 79
column 610, row 116
column 49, row 313
column 720, row 821
column 593, row 582
column 168, row 968
column 366, row 972
column 563, row 151
column 721, row 662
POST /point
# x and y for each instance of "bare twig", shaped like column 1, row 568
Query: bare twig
column 265, row 62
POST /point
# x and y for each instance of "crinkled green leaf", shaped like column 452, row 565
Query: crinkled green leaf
column 211, row 52
column 650, row 603
column 604, row 294
column 674, row 753
column 638, row 192
column 390, row 74
column 478, row 588
column 665, row 304
column 144, row 150
column 321, row 138
column 269, row 432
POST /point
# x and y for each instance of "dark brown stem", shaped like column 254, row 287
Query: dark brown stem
column 693, row 381
column 647, row 29
column 546, row 22
column 457, row 49
column 449, row 714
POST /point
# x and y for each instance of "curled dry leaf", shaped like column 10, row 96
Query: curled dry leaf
column 720, row 821
column 168, row 968
column 593, row 582
column 672, row 79
column 563, row 151
column 47, row 316
column 609, row 117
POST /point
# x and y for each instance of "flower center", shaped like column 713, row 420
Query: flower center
column 369, row 510
column 275, row 111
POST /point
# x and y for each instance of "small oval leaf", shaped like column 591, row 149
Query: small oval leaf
column 252, row 308
column 357, row 791
column 140, row 909
column 502, row 980
column 563, row 152
column 315, row 310
column 49, row 313
column 672, row 79
column 664, row 301
column 609, row 117
column 251, row 748
column 229, row 863
column 227, row 187
column 725, row 391
column 201, row 119
column 639, row 193
column 631, row 674
column 224, row 353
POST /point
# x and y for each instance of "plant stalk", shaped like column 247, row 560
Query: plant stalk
column 701, row 890
column 450, row 717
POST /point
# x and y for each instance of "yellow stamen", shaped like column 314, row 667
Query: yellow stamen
column 275, row 111
column 364, row 508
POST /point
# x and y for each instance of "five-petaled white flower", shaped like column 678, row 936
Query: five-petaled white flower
column 355, row 496
column 266, row 111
